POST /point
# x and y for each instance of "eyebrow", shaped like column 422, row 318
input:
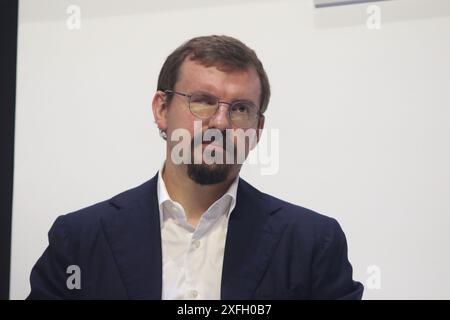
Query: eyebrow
column 232, row 101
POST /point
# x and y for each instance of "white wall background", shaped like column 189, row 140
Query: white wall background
column 363, row 118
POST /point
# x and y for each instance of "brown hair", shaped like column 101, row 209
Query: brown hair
column 225, row 52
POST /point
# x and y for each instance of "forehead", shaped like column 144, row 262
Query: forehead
column 226, row 84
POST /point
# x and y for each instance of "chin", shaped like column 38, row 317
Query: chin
column 208, row 174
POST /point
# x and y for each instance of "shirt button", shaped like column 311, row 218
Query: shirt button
column 194, row 294
column 196, row 244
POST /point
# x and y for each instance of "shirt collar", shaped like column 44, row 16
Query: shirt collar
column 164, row 196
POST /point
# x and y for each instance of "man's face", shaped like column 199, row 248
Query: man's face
column 228, row 86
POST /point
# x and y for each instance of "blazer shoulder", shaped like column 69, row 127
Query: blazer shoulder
column 297, row 213
column 301, row 221
column 88, row 219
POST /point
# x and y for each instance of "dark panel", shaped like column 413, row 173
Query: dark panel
column 8, row 45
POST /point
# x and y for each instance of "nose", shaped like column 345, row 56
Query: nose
column 221, row 119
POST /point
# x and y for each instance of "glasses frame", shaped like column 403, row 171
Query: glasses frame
column 189, row 96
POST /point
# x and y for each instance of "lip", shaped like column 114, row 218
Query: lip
column 211, row 146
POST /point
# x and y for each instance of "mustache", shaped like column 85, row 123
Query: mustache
column 225, row 142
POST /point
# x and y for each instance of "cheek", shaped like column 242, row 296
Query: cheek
column 179, row 117
column 247, row 141
column 180, row 123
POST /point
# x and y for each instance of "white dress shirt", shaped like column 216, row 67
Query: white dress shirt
column 192, row 257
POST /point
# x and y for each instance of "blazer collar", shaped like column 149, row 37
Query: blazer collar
column 253, row 232
column 134, row 235
column 133, row 232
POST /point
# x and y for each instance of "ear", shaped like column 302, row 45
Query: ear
column 159, row 107
column 260, row 127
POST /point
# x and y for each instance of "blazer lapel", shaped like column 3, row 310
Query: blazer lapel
column 134, row 235
column 253, row 232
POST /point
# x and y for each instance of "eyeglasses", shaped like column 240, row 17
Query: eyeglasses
column 242, row 113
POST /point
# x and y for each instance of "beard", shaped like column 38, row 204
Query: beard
column 207, row 174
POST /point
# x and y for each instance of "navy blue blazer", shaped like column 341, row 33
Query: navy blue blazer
column 273, row 250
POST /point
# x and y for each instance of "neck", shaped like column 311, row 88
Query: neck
column 195, row 198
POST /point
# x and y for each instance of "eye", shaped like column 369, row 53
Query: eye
column 241, row 107
column 204, row 99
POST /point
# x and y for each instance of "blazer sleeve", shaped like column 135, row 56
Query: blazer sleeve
column 48, row 277
column 332, row 272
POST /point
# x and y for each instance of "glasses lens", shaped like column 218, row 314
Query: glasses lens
column 243, row 114
column 203, row 106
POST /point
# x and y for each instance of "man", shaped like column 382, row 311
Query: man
column 196, row 230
